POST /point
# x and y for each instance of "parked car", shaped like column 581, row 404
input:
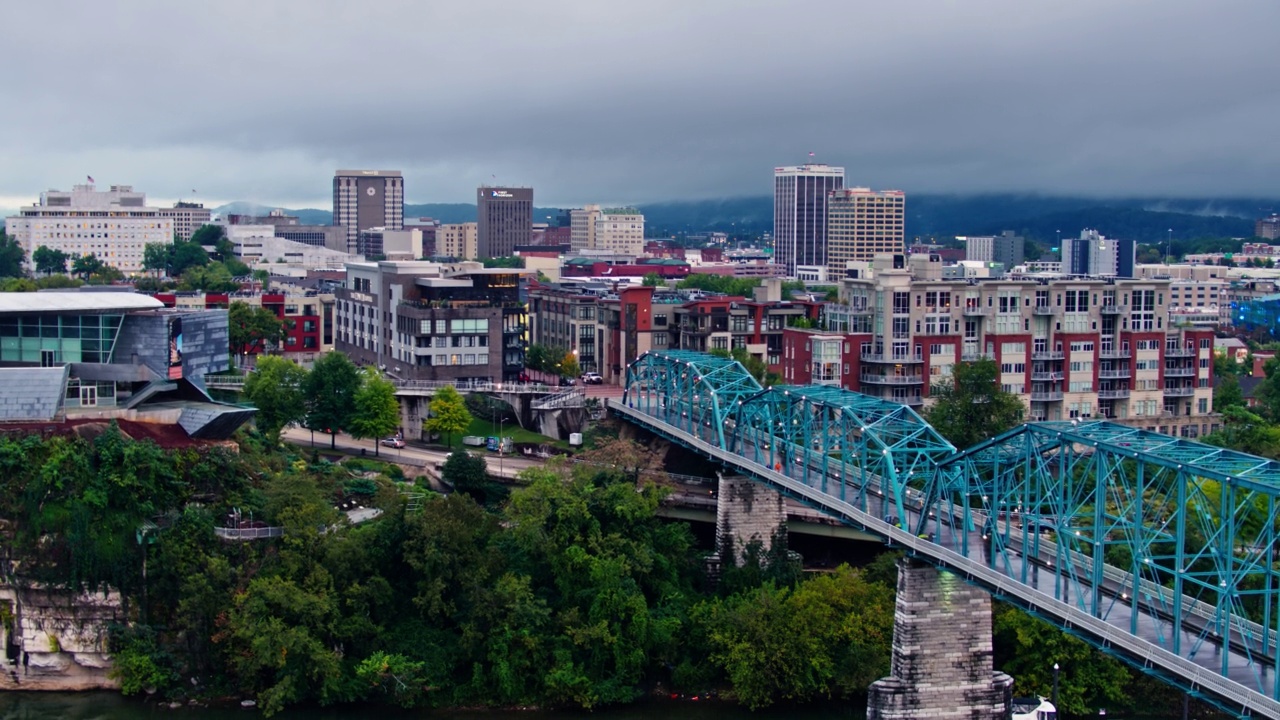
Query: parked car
column 393, row 442
column 566, row 382
column 592, row 378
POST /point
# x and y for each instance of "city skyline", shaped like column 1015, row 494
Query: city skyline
column 677, row 102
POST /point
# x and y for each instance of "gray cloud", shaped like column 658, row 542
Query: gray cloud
column 662, row 99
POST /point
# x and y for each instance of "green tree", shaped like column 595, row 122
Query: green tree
column 449, row 414
column 1246, row 432
column 156, row 257
column 1268, row 391
column 11, row 257
column 224, row 250
column 652, row 279
column 207, row 235
column 467, row 473
column 18, row 284
column 512, row 262
column 1027, row 648
column 105, row 275
column 973, row 407
column 538, row 357
column 236, row 267
column 275, row 389
column 253, row 329
column 87, row 265
column 830, row 636
column 186, row 255
column 569, row 366
column 1227, row 394
column 376, row 412
column 54, row 282
column 208, row 277
column 49, row 261
column 330, row 390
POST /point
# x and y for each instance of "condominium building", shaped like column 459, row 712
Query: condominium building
column 1094, row 254
column 800, row 194
column 308, row 317
column 1068, row 347
column 457, row 241
column 364, row 199
column 115, row 225
column 430, row 321
column 387, row 244
column 504, row 220
column 188, row 217
column 609, row 327
column 862, row 223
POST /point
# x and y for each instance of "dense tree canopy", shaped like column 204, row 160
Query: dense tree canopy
column 11, row 257
column 376, row 412
column 330, row 389
column 275, row 389
column 449, row 414
column 49, row 261
column 253, row 329
column 973, row 407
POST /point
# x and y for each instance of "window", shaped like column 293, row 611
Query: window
column 480, row 325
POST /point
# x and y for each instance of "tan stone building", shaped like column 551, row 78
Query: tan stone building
column 457, row 240
column 863, row 223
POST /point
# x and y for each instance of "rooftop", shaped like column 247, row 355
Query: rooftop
column 75, row 301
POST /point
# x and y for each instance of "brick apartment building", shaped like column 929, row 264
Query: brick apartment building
column 1068, row 347
column 609, row 327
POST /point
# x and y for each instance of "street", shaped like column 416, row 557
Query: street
column 507, row 467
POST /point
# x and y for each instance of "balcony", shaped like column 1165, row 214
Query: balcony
column 974, row 357
column 1042, row 310
column 1046, row 354
column 1046, row 376
column 1179, row 351
column 1113, row 394
column 1111, row 309
column 891, row 358
column 891, row 379
column 1046, row 396
column 1115, row 353
column 1179, row 391
column 974, row 311
column 1114, row 374
column 1180, row 372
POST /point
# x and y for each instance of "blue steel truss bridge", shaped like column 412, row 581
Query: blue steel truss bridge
column 1157, row 550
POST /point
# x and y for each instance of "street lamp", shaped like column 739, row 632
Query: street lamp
column 502, row 420
column 1055, row 686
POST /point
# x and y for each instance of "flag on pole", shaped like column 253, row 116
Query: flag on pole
column 193, row 192
column 810, row 154
column 90, row 178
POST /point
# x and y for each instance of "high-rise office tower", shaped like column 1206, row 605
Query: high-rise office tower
column 800, row 213
column 364, row 199
column 862, row 223
column 504, row 220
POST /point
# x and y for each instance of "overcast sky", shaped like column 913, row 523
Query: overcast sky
column 642, row 100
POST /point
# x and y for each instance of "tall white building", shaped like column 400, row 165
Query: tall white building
column 582, row 227
column 800, row 195
column 620, row 230
column 1095, row 254
column 115, row 225
column 364, row 199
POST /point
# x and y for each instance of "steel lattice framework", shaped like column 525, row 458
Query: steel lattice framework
column 1167, row 542
column 1140, row 524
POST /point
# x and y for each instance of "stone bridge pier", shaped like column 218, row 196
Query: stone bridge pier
column 942, row 665
column 747, row 511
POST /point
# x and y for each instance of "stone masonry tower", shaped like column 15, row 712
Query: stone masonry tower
column 942, row 667
column 747, row 511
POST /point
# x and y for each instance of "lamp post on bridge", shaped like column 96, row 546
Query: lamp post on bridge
column 1055, row 686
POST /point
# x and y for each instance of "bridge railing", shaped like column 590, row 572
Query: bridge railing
column 573, row 397
column 259, row 533
column 1138, row 650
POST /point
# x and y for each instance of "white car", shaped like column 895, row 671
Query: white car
column 393, row 442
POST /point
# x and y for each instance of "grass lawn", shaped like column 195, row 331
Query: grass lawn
column 486, row 429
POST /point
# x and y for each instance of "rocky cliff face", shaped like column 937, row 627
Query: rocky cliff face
column 56, row 641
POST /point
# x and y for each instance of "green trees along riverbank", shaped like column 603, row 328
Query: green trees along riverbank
column 570, row 592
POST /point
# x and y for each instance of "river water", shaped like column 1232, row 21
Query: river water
column 111, row 706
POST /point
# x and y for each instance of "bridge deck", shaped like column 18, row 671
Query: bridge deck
column 1139, row 636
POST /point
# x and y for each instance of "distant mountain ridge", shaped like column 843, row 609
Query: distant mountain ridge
column 1038, row 217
